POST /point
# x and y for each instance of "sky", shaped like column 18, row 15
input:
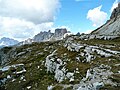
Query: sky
column 22, row 19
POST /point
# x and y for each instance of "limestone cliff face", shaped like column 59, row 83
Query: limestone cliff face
column 44, row 36
column 49, row 36
column 112, row 26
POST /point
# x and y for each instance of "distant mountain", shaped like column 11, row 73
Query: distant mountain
column 49, row 36
column 112, row 26
column 43, row 36
column 7, row 42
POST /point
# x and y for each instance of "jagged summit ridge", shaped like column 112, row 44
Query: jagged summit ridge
column 49, row 36
column 44, row 36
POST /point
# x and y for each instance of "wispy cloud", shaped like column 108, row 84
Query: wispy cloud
column 21, row 29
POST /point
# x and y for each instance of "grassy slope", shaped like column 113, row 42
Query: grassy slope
column 40, row 80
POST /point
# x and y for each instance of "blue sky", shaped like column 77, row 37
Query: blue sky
column 74, row 13
column 21, row 20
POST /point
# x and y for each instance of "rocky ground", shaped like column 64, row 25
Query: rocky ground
column 68, row 64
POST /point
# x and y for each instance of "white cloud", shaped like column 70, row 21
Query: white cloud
column 97, row 16
column 115, row 4
column 21, row 29
column 22, row 19
column 37, row 11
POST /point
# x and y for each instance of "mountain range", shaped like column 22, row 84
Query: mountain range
column 7, row 42
column 47, row 36
column 40, row 37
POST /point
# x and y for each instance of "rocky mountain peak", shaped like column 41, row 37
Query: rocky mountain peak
column 60, row 32
column 116, row 12
column 46, row 36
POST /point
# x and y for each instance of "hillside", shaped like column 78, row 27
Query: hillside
column 69, row 64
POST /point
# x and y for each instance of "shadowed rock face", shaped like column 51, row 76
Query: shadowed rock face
column 60, row 32
column 112, row 26
column 115, row 12
column 43, row 36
